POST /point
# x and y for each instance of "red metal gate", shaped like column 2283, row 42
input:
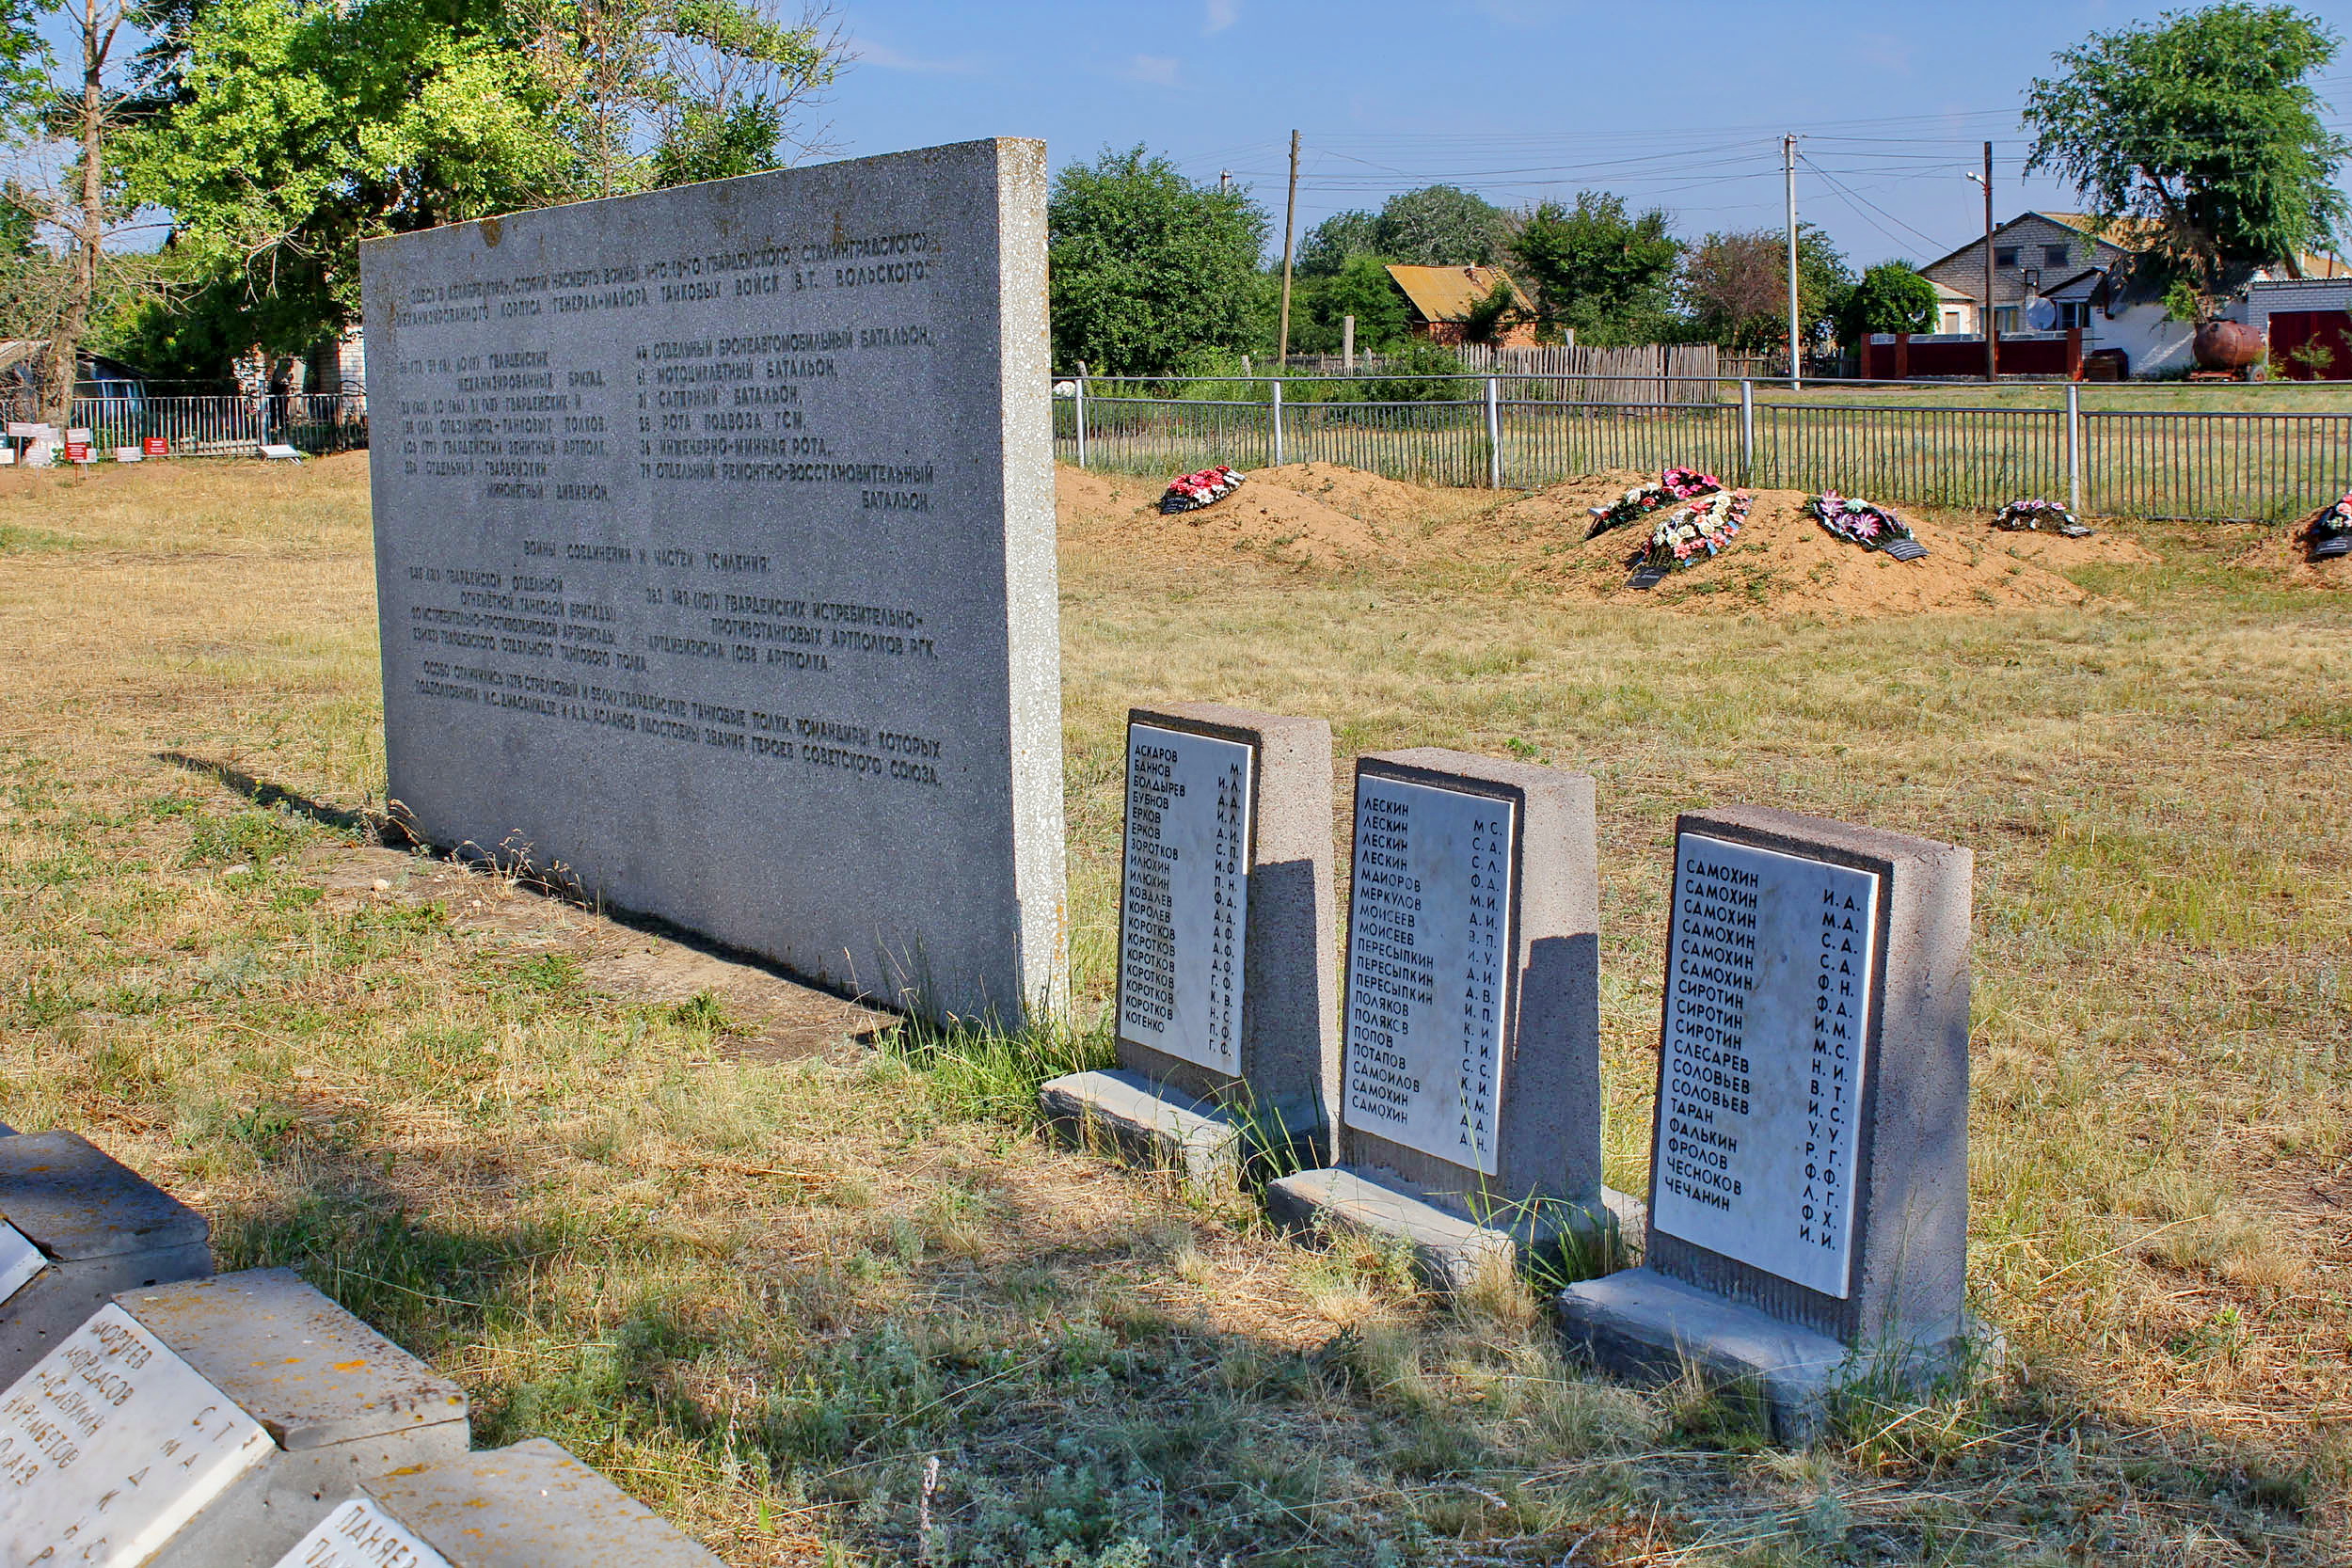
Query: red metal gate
column 2311, row 345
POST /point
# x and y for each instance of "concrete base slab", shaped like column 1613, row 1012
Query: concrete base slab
column 531, row 1506
column 343, row 1405
column 1161, row 1128
column 1449, row 1250
column 103, row 1229
column 64, row 1296
column 1643, row 1326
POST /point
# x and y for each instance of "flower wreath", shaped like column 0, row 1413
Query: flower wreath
column 1195, row 491
column 1674, row 484
column 2330, row 531
column 1857, row 521
column 2330, row 521
column 2035, row 514
column 1694, row 533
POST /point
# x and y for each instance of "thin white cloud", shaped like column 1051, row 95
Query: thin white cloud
column 1223, row 14
column 1519, row 13
column 867, row 51
column 1157, row 71
column 1885, row 51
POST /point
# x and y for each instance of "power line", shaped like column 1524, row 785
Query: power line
column 1853, row 197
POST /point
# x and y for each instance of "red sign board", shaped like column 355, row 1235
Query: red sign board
column 156, row 446
column 77, row 452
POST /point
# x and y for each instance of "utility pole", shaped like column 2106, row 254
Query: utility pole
column 1992, row 322
column 1289, row 227
column 1796, row 346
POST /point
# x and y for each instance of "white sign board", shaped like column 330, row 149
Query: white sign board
column 1769, row 976
column 111, row 1444
column 1185, row 898
column 19, row 1260
column 359, row 1534
column 1428, row 969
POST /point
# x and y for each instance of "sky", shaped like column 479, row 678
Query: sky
column 1679, row 103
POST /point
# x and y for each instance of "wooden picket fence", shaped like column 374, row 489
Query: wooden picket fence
column 1647, row 374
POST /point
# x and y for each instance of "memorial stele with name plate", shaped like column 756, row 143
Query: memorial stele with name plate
column 1808, row 1220
column 715, row 563
column 1470, row 1091
column 1770, row 986
column 110, row 1444
column 1429, row 968
column 1184, row 894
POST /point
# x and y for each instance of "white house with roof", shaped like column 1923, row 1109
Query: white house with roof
column 2052, row 271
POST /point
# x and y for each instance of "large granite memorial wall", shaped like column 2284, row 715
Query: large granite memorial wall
column 715, row 563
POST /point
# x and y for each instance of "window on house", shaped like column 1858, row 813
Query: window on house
column 2054, row 254
column 2004, row 255
column 2005, row 319
column 2073, row 312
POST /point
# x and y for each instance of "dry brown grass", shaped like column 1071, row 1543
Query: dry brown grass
column 760, row 1290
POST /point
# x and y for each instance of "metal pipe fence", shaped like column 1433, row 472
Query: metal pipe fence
column 223, row 426
column 2192, row 464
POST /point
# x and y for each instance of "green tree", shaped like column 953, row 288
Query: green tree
column 1339, row 239
column 1151, row 272
column 1596, row 269
column 654, row 92
column 295, row 131
column 2202, row 129
column 1892, row 297
column 1441, row 226
column 1736, row 288
column 280, row 134
column 61, row 120
column 1362, row 289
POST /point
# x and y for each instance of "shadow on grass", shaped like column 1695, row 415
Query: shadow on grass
column 386, row 830
column 278, row 798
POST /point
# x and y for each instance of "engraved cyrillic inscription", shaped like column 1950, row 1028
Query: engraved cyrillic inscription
column 1769, row 981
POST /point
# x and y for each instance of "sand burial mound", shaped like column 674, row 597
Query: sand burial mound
column 1320, row 517
column 1301, row 514
column 1784, row 563
column 2284, row 555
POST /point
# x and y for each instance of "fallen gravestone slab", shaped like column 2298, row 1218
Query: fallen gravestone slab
column 94, row 1228
column 110, row 1445
column 530, row 1506
column 279, row 452
column 1809, row 1168
column 1470, row 1109
column 1225, row 983
column 340, row 1406
column 744, row 614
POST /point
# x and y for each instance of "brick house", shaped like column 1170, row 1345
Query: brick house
column 2055, row 271
column 1438, row 301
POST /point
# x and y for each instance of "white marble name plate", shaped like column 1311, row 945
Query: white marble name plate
column 1428, row 967
column 111, row 1444
column 1184, row 897
column 19, row 1260
column 1769, row 977
column 359, row 1534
